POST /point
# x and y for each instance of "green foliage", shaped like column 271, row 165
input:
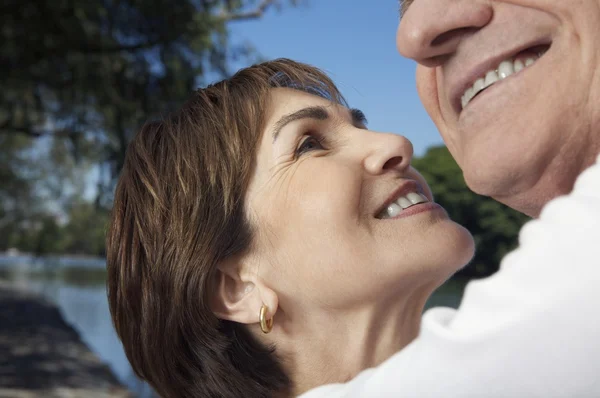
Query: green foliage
column 90, row 73
column 86, row 229
column 83, row 233
column 78, row 79
column 494, row 226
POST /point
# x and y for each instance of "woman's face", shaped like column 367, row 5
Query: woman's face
column 320, row 199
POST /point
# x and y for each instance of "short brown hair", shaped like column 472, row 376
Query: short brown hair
column 178, row 212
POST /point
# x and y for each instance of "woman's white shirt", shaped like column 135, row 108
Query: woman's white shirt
column 530, row 330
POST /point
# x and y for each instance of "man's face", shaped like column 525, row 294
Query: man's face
column 513, row 86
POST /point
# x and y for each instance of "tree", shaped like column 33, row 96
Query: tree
column 91, row 72
column 17, row 196
column 79, row 78
column 86, row 230
column 495, row 227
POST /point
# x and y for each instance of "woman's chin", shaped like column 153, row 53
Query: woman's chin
column 465, row 246
column 454, row 249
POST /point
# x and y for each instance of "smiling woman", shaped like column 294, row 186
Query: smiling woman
column 264, row 242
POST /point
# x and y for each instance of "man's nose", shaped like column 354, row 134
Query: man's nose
column 387, row 152
column 430, row 30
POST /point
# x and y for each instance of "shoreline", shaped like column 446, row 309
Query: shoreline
column 41, row 355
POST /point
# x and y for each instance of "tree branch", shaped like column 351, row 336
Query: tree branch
column 245, row 15
column 90, row 48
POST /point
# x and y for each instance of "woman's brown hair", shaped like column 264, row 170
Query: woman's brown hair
column 178, row 213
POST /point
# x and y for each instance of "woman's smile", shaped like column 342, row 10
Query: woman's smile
column 408, row 194
column 411, row 210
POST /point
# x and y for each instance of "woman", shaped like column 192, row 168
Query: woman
column 264, row 242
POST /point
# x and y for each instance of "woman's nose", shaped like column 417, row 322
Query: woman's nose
column 387, row 152
column 432, row 29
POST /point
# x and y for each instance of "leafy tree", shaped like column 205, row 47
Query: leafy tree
column 79, row 78
column 495, row 227
column 86, row 229
column 49, row 237
column 17, row 196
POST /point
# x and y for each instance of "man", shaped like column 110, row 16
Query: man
column 514, row 88
column 521, row 138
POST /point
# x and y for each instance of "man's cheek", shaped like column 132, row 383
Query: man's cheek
column 427, row 88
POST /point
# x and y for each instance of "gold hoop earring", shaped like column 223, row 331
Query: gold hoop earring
column 265, row 324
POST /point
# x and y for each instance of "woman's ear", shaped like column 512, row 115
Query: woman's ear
column 238, row 295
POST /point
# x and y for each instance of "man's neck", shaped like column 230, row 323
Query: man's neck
column 558, row 180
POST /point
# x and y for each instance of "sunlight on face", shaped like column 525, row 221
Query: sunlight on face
column 316, row 199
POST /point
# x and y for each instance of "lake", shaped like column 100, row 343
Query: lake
column 76, row 286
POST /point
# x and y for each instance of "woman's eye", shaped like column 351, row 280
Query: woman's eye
column 309, row 144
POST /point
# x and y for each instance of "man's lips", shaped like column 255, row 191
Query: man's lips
column 466, row 79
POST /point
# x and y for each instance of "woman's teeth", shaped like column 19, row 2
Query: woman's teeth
column 504, row 70
column 403, row 202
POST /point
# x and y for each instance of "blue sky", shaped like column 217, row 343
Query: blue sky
column 354, row 42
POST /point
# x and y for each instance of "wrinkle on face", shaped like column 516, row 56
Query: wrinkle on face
column 542, row 144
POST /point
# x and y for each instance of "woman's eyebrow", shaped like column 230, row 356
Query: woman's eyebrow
column 311, row 112
column 314, row 112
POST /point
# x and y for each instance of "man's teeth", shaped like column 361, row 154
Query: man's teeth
column 504, row 70
column 403, row 202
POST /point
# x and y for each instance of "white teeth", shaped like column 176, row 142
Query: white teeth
column 490, row 78
column 478, row 86
column 411, row 199
column 403, row 202
column 414, row 198
column 392, row 210
column 504, row 70
column 519, row 65
column 468, row 96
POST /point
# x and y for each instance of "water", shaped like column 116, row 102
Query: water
column 81, row 296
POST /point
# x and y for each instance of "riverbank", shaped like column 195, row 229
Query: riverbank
column 42, row 356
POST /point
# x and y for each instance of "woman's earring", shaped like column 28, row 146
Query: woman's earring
column 265, row 324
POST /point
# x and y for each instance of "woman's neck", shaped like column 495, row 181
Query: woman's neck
column 326, row 349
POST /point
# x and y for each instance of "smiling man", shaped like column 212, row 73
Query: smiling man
column 514, row 89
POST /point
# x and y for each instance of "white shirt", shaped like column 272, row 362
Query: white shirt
column 530, row 330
